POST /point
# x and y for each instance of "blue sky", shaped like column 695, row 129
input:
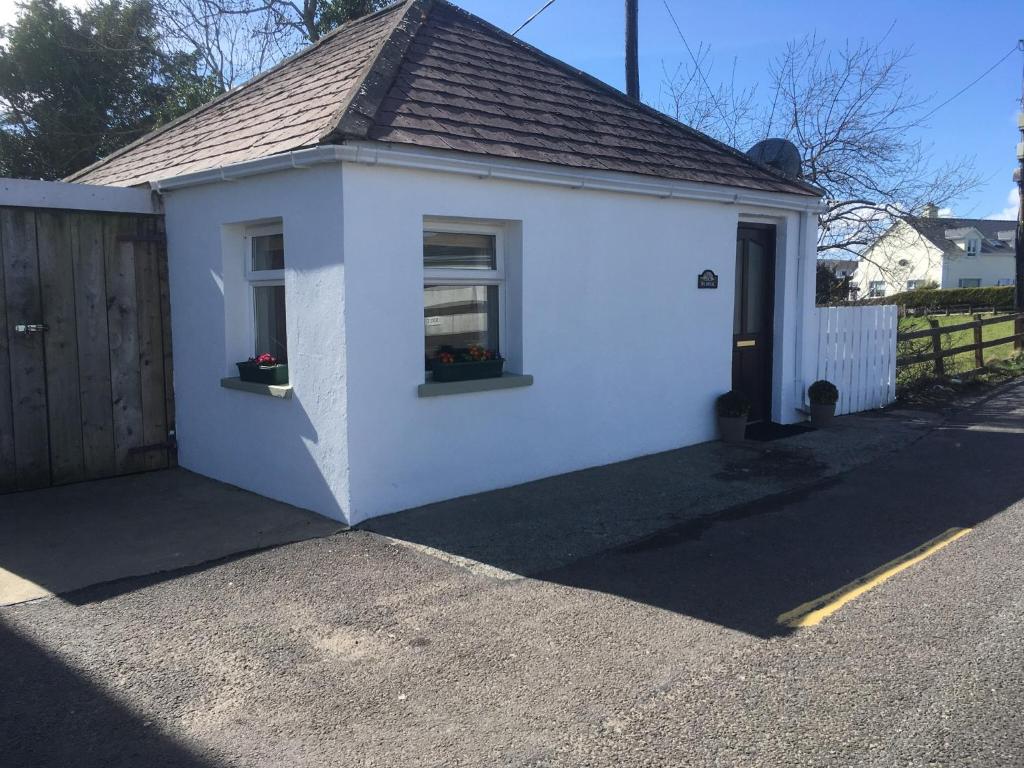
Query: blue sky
column 953, row 42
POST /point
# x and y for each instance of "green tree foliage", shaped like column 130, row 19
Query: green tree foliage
column 829, row 287
column 1000, row 297
column 334, row 13
column 77, row 85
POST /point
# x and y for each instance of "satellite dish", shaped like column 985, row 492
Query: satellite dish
column 780, row 154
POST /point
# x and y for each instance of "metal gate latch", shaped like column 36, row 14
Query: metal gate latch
column 30, row 328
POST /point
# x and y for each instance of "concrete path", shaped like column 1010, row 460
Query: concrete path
column 57, row 540
column 354, row 650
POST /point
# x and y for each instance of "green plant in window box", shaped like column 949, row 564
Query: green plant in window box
column 473, row 362
column 263, row 369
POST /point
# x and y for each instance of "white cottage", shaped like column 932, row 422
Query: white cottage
column 938, row 251
column 420, row 179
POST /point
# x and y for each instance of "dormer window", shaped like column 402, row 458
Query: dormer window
column 972, row 246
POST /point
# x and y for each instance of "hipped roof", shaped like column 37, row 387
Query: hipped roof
column 428, row 74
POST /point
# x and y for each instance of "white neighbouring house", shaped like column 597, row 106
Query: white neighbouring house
column 421, row 177
column 939, row 251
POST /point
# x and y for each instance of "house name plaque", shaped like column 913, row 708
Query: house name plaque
column 707, row 279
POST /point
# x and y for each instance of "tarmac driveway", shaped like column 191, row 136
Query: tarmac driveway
column 59, row 540
column 356, row 649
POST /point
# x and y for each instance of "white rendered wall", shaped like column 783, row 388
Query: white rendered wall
column 294, row 450
column 881, row 261
column 988, row 268
column 627, row 354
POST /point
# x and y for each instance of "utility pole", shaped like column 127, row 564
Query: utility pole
column 1018, row 176
column 632, row 59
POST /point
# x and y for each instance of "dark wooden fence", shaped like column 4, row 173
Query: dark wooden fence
column 937, row 354
column 85, row 350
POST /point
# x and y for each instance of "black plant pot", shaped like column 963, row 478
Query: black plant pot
column 263, row 374
column 482, row 369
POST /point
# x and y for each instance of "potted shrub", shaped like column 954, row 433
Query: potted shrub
column 473, row 362
column 823, row 396
column 732, row 409
column 263, row 369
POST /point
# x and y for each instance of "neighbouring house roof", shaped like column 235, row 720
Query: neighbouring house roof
column 997, row 236
column 428, row 74
column 836, row 264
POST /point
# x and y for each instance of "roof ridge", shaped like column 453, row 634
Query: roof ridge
column 217, row 100
column 959, row 218
column 615, row 93
column 355, row 115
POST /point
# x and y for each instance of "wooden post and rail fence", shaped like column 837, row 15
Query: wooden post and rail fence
column 937, row 355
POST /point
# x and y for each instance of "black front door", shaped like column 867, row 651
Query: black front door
column 753, row 317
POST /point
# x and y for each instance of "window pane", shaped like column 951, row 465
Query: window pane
column 459, row 316
column 270, row 326
column 450, row 250
column 755, row 286
column 267, row 252
column 737, row 318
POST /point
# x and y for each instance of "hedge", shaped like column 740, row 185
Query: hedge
column 1000, row 297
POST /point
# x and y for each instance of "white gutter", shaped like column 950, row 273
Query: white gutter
column 300, row 158
column 448, row 161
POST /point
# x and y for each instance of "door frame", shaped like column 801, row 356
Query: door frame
column 773, row 228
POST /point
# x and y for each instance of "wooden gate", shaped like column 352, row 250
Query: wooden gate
column 85, row 349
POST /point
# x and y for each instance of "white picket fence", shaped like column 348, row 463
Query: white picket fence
column 857, row 353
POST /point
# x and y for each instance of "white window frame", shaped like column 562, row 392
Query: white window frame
column 451, row 276
column 259, row 277
column 972, row 246
column 875, row 293
column 960, row 282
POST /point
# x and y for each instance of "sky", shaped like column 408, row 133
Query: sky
column 952, row 43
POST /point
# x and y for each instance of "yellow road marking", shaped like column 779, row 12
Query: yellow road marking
column 812, row 612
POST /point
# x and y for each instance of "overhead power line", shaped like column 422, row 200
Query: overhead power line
column 973, row 82
column 696, row 64
column 534, row 16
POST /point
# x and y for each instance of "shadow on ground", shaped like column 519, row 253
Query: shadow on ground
column 60, row 540
column 81, row 726
column 742, row 566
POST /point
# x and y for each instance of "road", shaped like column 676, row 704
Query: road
column 353, row 650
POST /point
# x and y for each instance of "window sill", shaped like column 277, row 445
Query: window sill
column 272, row 390
column 507, row 381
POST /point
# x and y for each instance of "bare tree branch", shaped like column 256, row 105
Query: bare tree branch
column 852, row 114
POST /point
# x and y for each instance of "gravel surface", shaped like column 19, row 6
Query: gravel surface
column 354, row 650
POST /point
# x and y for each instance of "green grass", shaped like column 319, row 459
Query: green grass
column 964, row 361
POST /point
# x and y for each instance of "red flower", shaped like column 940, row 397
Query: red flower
column 264, row 360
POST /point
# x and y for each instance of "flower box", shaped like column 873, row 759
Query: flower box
column 263, row 374
column 470, row 371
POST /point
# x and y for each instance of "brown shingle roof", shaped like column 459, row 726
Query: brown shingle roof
column 426, row 73
column 288, row 107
